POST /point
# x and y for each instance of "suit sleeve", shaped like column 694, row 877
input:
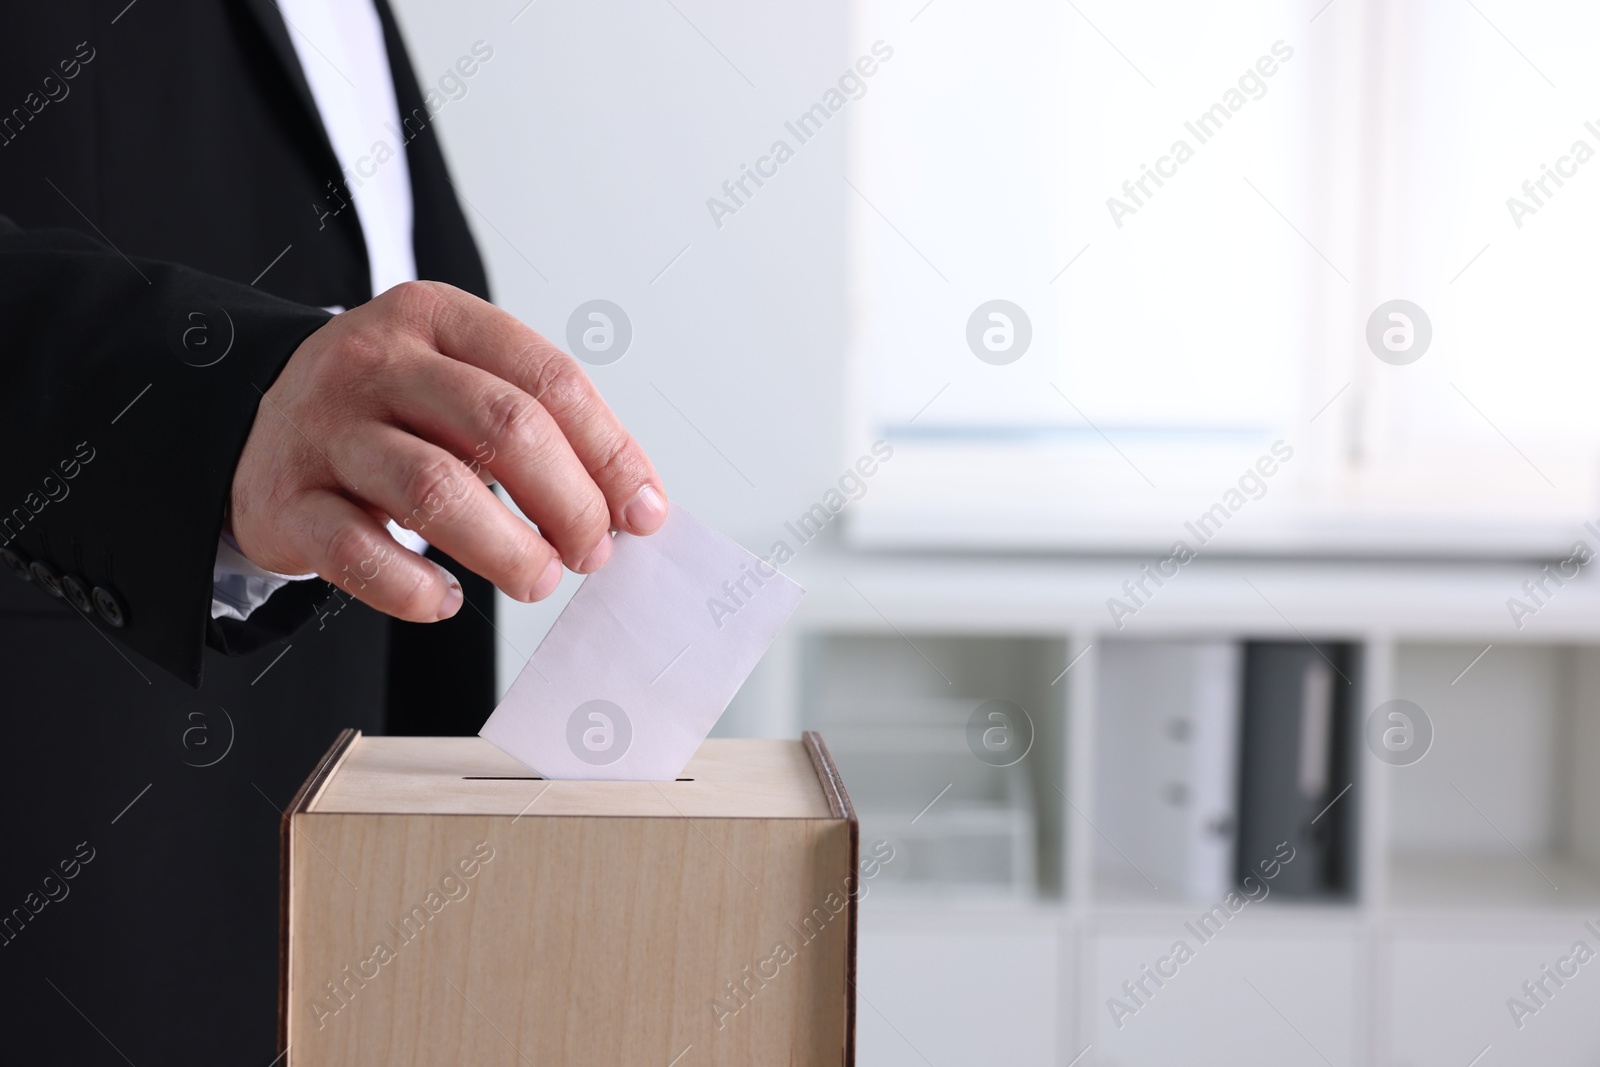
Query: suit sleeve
column 130, row 386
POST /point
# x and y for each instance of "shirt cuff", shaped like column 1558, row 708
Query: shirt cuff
column 239, row 587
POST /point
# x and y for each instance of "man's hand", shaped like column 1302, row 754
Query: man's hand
column 402, row 408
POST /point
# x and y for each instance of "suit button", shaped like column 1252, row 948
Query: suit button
column 17, row 562
column 77, row 593
column 47, row 576
column 109, row 605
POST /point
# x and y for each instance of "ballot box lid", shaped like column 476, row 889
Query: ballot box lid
column 727, row 779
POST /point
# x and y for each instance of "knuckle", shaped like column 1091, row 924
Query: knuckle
column 364, row 564
column 561, row 384
column 432, row 480
column 416, row 302
column 348, row 546
column 281, row 492
column 585, row 517
column 361, row 354
column 620, row 460
column 511, row 417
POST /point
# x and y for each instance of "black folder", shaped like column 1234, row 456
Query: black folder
column 1296, row 767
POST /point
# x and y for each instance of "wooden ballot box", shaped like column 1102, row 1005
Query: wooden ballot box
column 442, row 905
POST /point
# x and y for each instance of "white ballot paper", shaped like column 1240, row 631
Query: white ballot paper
column 645, row 657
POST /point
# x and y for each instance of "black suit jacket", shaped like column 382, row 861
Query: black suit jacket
column 175, row 220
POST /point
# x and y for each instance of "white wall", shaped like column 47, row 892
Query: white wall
column 588, row 145
column 1496, row 743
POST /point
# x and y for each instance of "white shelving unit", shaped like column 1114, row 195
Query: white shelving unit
column 1476, row 866
column 896, row 724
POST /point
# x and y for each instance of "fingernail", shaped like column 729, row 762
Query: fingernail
column 548, row 580
column 597, row 556
column 645, row 511
column 453, row 599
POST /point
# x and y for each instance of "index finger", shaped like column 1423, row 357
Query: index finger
column 476, row 332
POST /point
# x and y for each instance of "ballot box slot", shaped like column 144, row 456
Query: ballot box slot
column 520, row 778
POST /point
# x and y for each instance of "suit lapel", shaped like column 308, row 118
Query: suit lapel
column 441, row 241
column 439, row 236
column 269, row 18
column 276, row 32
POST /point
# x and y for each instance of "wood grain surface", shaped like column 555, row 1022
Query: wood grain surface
column 608, row 928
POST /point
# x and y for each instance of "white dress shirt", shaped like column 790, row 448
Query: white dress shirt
column 341, row 50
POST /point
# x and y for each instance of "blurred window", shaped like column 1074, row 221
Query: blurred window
column 1189, row 214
